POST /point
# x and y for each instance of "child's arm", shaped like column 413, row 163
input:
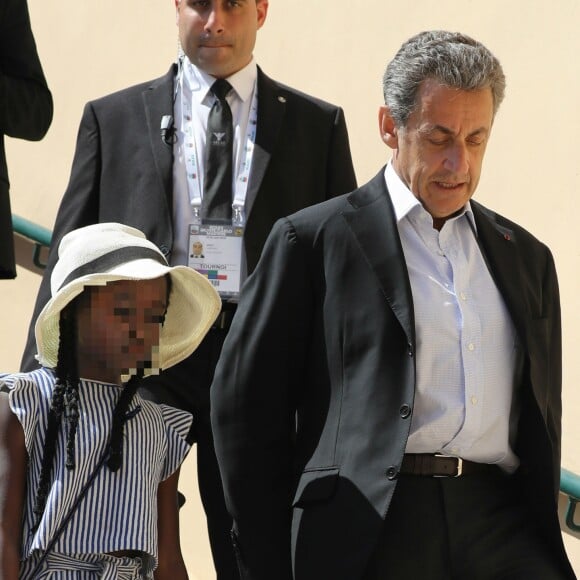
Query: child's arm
column 13, row 459
column 171, row 565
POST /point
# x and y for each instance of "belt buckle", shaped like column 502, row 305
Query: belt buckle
column 459, row 465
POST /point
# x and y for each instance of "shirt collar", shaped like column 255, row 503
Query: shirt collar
column 405, row 203
column 200, row 82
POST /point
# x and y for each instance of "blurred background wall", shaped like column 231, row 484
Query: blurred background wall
column 337, row 51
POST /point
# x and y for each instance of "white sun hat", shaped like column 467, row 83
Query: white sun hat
column 100, row 253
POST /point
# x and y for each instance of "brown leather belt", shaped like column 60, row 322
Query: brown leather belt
column 435, row 465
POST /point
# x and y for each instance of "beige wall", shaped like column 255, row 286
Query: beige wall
column 336, row 50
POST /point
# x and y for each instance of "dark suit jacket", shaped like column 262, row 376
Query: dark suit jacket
column 25, row 106
column 122, row 170
column 309, row 401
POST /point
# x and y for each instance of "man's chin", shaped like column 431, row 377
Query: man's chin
column 214, row 61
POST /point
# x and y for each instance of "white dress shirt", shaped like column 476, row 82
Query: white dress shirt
column 468, row 359
column 240, row 100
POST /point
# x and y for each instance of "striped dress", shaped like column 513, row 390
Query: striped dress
column 119, row 510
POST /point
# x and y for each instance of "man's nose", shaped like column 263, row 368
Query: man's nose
column 458, row 159
column 215, row 19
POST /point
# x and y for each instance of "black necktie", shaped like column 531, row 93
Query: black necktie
column 217, row 196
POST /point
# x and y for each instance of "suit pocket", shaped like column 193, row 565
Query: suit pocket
column 316, row 485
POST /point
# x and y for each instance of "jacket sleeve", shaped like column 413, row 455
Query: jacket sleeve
column 552, row 312
column 253, row 402
column 26, row 110
column 79, row 207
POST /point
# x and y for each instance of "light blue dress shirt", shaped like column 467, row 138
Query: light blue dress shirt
column 468, row 358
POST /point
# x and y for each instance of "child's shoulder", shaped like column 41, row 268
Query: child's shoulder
column 167, row 413
column 38, row 383
column 29, row 396
column 175, row 420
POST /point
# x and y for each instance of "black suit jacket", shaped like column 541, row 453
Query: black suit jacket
column 310, row 397
column 25, row 106
column 122, row 169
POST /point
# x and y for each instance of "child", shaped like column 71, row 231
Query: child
column 88, row 469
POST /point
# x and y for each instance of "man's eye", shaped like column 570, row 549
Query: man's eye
column 438, row 141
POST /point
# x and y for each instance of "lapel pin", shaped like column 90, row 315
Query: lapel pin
column 281, row 99
column 507, row 237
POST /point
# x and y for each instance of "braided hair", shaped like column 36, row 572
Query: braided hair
column 64, row 402
column 119, row 419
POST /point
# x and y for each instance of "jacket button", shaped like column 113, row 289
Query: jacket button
column 391, row 472
column 410, row 349
column 405, row 411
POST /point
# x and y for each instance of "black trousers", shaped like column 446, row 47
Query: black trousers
column 186, row 386
column 474, row 527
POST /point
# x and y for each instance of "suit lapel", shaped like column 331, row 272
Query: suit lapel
column 371, row 219
column 158, row 101
column 271, row 110
column 499, row 246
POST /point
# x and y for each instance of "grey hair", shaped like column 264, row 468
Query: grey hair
column 451, row 58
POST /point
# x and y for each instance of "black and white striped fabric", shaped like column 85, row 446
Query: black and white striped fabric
column 87, row 567
column 119, row 511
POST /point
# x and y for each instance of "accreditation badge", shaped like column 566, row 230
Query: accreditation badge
column 215, row 251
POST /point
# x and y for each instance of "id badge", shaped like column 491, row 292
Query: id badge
column 215, row 251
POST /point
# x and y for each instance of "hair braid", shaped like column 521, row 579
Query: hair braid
column 61, row 393
column 71, row 393
column 72, row 421
column 119, row 420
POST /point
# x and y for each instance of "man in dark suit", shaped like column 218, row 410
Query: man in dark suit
column 387, row 404
column 132, row 165
column 25, row 106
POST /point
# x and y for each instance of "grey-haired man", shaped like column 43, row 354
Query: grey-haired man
column 387, row 404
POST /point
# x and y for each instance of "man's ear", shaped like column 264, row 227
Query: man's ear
column 177, row 2
column 262, row 10
column 387, row 127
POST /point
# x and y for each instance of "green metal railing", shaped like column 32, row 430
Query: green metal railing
column 570, row 486
column 38, row 235
column 41, row 237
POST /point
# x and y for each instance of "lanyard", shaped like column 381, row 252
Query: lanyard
column 191, row 154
